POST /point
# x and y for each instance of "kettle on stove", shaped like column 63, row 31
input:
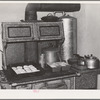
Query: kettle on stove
column 91, row 61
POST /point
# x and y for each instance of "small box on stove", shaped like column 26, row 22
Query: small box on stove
column 59, row 66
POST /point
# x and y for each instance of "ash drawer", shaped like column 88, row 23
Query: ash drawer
column 26, row 86
column 56, row 84
column 40, row 86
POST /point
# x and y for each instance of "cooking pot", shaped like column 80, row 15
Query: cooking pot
column 51, row 55
column 50, row 18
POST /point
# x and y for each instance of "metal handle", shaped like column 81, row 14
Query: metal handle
column 49, row 14
column 63, row 13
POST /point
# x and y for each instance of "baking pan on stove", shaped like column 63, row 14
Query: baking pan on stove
column 13, row 74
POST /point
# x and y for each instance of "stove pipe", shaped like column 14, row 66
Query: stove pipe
column 32, row 8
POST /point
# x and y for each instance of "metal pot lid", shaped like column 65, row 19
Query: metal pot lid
column 68, row 16
column 50, row 17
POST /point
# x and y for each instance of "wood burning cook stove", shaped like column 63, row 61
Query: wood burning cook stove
column 23, row 44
